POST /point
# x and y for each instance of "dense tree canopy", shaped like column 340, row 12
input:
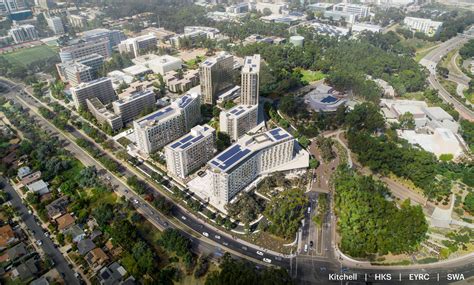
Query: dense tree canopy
column 369, row 224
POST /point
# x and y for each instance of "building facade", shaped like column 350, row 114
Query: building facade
column 159, row 128
column 103, row 115
column 86, row 48
column 81, row 70
column 215, row 75
column 23, row 33
column 139, row 45
column 55, row 24
column 240, row 164
column 191, row 151
column 129, row 107
column 238, row 120
column 100, row 88
column 114, row 36
column 77, row 21
column 427, row 26
column 9, row 6
column 250, row 80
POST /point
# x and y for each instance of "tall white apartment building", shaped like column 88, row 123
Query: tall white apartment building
column 215, row 75
column 139, row 45
column 426, row 26
column 9, row 6
column 159, row 128
column 250, row 80
column 114, row 36
column 23, row 33
column 85, row 48
column 100, row 88
column 132, row 105
column 238, row 120
column 191, row 151
column 240, row 164
column 55, row 24
column 75, row 73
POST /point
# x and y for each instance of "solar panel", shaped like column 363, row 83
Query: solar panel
column 329, row 99
column 228, row 153
column 236, row 157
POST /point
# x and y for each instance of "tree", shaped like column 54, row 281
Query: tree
column 365, row 117
column 407, row 121
column 469, row 202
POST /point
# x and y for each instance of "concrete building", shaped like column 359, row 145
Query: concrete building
column 325, row 99
column 427, row 26
column 329, row 30
column 238, row 120
column 9, row 6
column 273, row 8
column 360, row 11
column 250, row 85
column 23, row 33
column 129, row 107
column 362, row 27
column 216, row 75
column 234, row 169
column 55, row 24
column 118, row 77
column 81, row 70
column 159, row 64
column 193, row 34
column 211, row 33
column 39, row 187
column 100, row 88
column 114, row 36
column 191, row 151
column 102, row 115
column 228, row 95
column 139, row 45
column 159, row 128
column 340, row 15
column 86, row 48
column 177, row 83
column 77, row 21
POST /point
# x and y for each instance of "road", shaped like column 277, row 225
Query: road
column 37, row 232
column 306, row 269
column 431, row 60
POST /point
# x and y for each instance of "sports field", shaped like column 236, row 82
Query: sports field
column 28, row 55
column 311, row 76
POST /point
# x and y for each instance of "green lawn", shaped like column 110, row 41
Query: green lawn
column 28, row 55
column 311, row 76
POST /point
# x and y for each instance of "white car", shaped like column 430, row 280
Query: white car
column 217, row 236
column 205, row 234
column 39, row 242
column 183, row 218
column 267, row 260
column 260, row 253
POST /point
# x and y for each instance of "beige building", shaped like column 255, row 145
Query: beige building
column 191, row 151
column 139, row 45
column 250, row 80
column 177, row 83
column 103, row 115
column 159, row 128
column 129, row 107
column 100, row 88
column 237, row 121
column 215, row 75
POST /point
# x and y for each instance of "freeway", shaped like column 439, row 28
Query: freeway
column 209, row 240
column 431, row 60
column 38, row 233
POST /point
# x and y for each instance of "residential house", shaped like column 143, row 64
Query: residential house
column 112, row 274
column 65, row 221
column 96, row 258
column 23, row 171
column 40, row 187
column 75, row 232
column 84, row 246
column 25, row 270
column 7, row 236
column 27, row 180
column 17, row 251
column 57, row 208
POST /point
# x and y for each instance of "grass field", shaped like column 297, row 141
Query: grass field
column 311, row 76
column 28, row 55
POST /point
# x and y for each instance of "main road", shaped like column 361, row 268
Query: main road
column 431, row 60
column 207, row 239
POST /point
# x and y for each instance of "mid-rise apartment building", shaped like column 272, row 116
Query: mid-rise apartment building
column 23, row 33
column 139, row 45
column 191, row 151
column 360, row 11
column 427, row 26
column 250, row 80
column 9, row 6
column 114, row 36
column 238, row 120
column 159, row 128
column 129, row 107
column 216, row 75
column 180, row 83
column 86, row 48
column 100, row 88
column 55, row 24
column 240, row 164
column 81, row 70
column 102, row 115
column 77, row 21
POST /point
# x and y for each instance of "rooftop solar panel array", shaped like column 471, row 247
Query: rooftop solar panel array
column 329, row 99
column 278, row 134
column 158, row 114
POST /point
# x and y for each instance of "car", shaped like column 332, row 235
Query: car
column 183, row 218
column 259, row 252
column 344, row 270
column 205, row 234
column 217, row 236
column 46, row 234
column 267, row 260
column 39, row 242
column 224, row 243
column 135, row 201
column 311, row 243
column 277, row 258
column 309, row 210
column 305, row 248
column 166, row 224
column 322, row 269
column 244, row 247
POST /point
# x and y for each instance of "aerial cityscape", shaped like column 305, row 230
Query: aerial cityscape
column 221, row 142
